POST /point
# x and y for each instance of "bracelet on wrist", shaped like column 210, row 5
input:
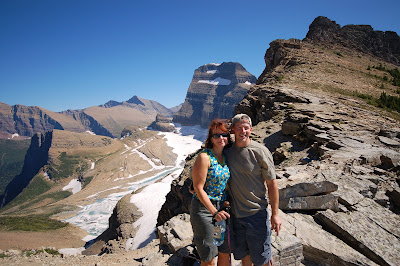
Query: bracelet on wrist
column 215, row 214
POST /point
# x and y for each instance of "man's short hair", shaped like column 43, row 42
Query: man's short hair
column 241, row 117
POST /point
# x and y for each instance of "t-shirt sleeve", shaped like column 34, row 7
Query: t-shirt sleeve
column 267, row 165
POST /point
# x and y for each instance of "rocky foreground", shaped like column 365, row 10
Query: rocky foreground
column 338, row 169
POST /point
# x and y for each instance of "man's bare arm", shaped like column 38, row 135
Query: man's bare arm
column 273, row 194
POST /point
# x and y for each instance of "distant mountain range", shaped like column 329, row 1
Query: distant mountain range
column 108, row 119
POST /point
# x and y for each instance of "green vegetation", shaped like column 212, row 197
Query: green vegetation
column 36, row 187
column 395, row 73
column 339, row 54
column 86, row 181
column 12, row 155
column 3, row 255
column 30, row 223
column 389, row 102
column 280, row 78
column 30, row 252
column 68, row 166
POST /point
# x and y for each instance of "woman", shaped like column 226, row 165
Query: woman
column 210, row 175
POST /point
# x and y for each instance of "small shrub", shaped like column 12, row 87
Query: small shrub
column 339, row 54
column 51, row 251
column 3, row 255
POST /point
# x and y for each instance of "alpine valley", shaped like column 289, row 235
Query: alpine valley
column 118, row 175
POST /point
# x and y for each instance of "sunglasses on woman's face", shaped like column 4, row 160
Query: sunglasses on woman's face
column 216, row 136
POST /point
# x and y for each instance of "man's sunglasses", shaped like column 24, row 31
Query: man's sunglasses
column 216, row 136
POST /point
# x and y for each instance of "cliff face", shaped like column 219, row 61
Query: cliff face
column 25, row 120
column 385, row 45
column 36, row 157
column 213, row 93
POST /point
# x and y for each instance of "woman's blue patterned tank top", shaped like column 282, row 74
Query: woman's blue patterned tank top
column 217, row 178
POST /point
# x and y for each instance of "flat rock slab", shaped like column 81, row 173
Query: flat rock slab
column 363, row 234
column 307, row 189
column 388, row 141
column 322, row 202
column 320, row 246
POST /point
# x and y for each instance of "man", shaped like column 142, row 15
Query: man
column 252, row 167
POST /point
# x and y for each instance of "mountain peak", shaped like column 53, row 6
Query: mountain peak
column 135, row 100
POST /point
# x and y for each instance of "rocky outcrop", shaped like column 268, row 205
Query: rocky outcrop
column 385, row 45
column 214, row 92
column 120, row 229
column 163, row 124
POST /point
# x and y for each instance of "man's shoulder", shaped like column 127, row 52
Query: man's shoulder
column 256, row 145
column 258, row 148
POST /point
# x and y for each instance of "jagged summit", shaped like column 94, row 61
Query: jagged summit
column 214, row 91
column 385, row 45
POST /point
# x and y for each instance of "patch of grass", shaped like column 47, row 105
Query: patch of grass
column 36, row 187
column 37, row 223
column 86, row 181
column 68, row 166
column 339, row 54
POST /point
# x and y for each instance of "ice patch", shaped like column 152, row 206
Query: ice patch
column 88, row 238
column 149, row 201
column 14, row 135
column 217, row 81
column 212, row 71
column 92, row 166
column 248, row 83
column 90, row 132
column 75, row 185
column 71, row 251
column 185, row 143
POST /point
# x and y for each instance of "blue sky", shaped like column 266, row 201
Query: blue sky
column 74, row 54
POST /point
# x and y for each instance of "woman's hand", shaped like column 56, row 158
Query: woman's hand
column 221, row 215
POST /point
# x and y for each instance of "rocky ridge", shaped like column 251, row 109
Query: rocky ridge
column 215, row 90
column 363, row 38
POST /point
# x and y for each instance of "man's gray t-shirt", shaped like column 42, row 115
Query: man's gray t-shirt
column 250, row 167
